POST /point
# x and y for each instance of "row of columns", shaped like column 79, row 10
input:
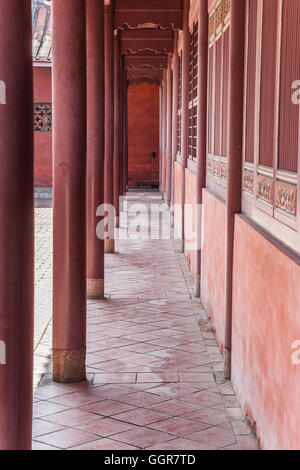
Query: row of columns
column 89, row 149
column 235, row 134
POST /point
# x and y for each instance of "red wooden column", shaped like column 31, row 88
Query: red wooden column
column 169, row 132
column 16, row 225
column 201, row 127
column 235, row 136
column 109, row 242
column 185, row 105
column 95, row 146
column 117, row 128
column 122, row 78
column 175, row 112
column 164, row 131
column 126, row 169
column 160, row 133
column 69, row 134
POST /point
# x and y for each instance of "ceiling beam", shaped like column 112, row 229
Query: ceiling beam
column 145, row 62
column 167, row 13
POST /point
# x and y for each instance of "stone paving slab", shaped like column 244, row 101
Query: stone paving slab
column 155, row 373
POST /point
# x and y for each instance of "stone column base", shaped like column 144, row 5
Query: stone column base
column 95, row 288
column 180, row 246
column 197, row 288
column 109, row 246
column 69, row 365
column 227, row 364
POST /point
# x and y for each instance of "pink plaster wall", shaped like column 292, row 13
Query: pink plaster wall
column 213, row 263
column 42, row 140
column 190, row 218
column 266, row 321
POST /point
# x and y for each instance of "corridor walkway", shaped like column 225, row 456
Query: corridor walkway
column 154, row 370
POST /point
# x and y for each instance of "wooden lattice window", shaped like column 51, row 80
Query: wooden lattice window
column 290, row 73
column 193, row 93
column 179, row 105
column 270, row 178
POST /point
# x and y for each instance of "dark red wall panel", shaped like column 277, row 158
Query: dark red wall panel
column 143, row 133
column 268, row 82
column 251, row 79
column 290, row 71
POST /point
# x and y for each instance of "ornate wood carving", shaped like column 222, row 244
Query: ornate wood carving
column 249, row 181
column 286, row 197
column 264, row 189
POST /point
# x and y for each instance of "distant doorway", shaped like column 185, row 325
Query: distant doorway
column 143, row 136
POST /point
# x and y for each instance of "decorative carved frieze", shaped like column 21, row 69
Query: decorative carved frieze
column 209, row 165
column 286, row 197
column 249, row 181
column 264, row 189
column 216, row 168
column 219, row 16
column 227, row 7
column 212, row 28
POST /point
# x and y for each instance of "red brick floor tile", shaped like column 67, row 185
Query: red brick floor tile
column 209, row 416
column 196, row 377
column 206, row 398
column 44, row 408
column 115, row 378
column 214, row 436
column 178, row 426
column 105, row 427
column 66, row 438
column 143, row 437
column 159, row 378
column 104, row 444
column 175, row 390
column 180, row 444
column 72, row 417
column 76, row 399
column 175, row 407
column 141, row 416
column 40, row 427
column 142, row 399
column 40, row 446
column 108, row 408
column 110, row 391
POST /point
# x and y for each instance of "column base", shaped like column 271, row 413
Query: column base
column 181, row 246
column 109, row 246
column 197, row 289
column 227, row 364
column 69, row 365
column 95, row 288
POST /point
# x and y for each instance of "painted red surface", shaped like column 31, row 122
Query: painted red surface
column 213, row 263
column 177, row 199
column 190, row 219
column 42, row 140
column 266, row 322
column 143, row 133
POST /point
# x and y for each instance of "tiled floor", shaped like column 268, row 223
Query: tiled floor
column 154, row 369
